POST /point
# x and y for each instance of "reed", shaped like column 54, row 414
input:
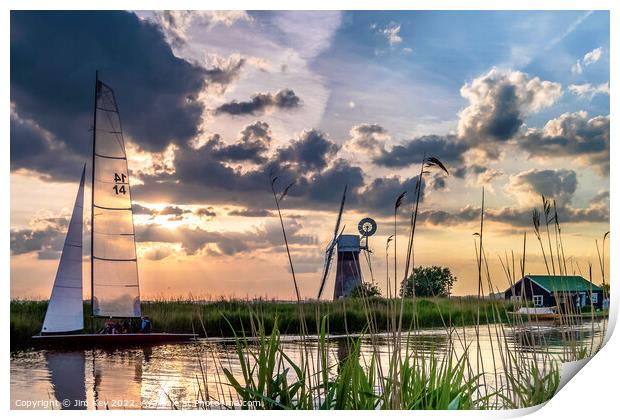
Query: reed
column 224, row 318
column 409, row 378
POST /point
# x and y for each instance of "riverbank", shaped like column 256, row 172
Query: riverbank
column 225, row 318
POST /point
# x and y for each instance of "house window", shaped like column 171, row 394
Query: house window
column 594, row 298
column 538, row 300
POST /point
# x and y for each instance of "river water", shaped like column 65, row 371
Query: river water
column 176, row 375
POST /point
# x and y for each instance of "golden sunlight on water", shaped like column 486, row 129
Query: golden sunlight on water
column 183, row 375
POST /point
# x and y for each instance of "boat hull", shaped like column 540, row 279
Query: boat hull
column 110, row 340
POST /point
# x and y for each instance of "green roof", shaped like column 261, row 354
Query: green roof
column 564, row 283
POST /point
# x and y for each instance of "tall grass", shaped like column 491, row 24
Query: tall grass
column 394, row 372
column 410, row 378
column 224, row 318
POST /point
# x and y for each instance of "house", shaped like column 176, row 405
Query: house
column 570, row 293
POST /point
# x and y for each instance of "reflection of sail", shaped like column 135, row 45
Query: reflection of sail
column 67, row 375
column 114, row 264
column 65, row 308
column 118, row 380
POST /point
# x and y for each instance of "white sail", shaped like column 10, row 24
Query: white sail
column 65, row 310
column 114, row 272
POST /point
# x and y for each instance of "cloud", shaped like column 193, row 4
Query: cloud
column 222, row 72
column 574, row 135
column 589, row 91
column 45, row 236
column 198, row 240
column 176, row 23
column 520, row 217
column 52, row 81
column 206, row 213
column 249, row 212
column 601, row 198
column 254, row 141
column 313, row 150
column 33, row 148
column 261, row 103
column 158, row 253
column 499, row 101
column 528, row 186
column 588, row 59
column 310, row 160
column 380, row 194
column 447, row 148
column 368, row 138
column 175, row 212
column 392, row 34
column 593, row 56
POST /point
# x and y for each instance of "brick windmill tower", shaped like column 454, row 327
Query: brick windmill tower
column 348, row 247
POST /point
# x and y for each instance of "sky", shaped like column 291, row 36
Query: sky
column 212, row 102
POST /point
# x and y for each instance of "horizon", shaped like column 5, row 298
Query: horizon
column 212, row 101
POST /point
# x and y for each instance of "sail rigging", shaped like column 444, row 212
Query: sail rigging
column 114, row 269
column 65, row 309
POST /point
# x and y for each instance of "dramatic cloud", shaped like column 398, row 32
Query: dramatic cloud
column 261, row 103
column 33, row 148
column 176, row 23
column 587, row 90
column 368, row 138
column 254, row 141
column 498, row 104
column 447, row 148
column 195, row 240
column 54, row 55
column 221, row 72
column 528, row 186
column 45, row 236
column 573, row 135
column 313, row 150
column 512, row 216
column 310, row 160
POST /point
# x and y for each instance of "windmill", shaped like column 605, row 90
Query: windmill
column 348, row 271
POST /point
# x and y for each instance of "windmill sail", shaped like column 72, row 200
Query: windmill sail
column 114, row 270
column 330, row 249
column 65, row 310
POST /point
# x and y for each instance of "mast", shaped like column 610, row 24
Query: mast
column 92, row 210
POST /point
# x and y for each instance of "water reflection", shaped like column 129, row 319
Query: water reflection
column 67, row 372
column 181, row 375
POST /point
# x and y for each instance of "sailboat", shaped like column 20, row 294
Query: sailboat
column 115, row 289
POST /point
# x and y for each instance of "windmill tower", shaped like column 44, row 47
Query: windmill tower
column 348, row 270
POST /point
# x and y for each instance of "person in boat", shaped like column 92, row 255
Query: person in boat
column 108, row 327
column 118, row 328
column 126, row 327
column 146, row 326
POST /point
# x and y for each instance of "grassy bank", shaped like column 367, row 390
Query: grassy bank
column 216, row 318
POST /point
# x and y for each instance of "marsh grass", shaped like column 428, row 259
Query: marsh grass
column 409, row 378
column 403, row 377
column 225, row 318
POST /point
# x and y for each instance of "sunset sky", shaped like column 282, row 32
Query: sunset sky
column 212, row 102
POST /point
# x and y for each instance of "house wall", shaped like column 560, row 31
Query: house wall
column 531, row 289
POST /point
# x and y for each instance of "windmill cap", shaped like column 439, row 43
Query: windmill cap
column 349, row 243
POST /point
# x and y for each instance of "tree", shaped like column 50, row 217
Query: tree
column 429, row 282
column 365, row 290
